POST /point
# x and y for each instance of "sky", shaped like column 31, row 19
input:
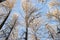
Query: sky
column 42, row 30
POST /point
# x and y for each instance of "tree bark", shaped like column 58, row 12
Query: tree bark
column 26, row 20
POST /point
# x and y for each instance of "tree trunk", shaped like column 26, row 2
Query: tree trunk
column 26, row 20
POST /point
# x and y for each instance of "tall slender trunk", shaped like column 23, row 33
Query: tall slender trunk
column 4, row 20
column 26, row 20
column 11, row 29
column 26, row 33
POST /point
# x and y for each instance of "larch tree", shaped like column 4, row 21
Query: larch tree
column 14, row 33
column 5, row 9
column 31, row 17
column 4, row 13
column 8, row 26
column 54, row 14
column 7, row 21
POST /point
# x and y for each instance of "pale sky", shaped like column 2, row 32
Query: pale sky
column 42, row 30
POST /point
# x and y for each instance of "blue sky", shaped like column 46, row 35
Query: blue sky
column 19, row 10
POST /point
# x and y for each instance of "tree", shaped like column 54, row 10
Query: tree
column 14, row 17
column 14, row 32
column 8, row 26
column 32, row 21
column 4, row 13
column 54, row 3
column 5, row 6
column 30, row 17
column 54, row 14
column 51, row 30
